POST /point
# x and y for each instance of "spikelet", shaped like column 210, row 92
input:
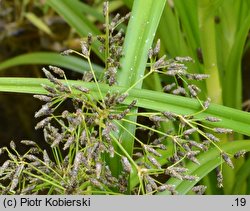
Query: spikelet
column 126, row 164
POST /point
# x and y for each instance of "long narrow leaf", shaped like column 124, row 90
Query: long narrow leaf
column 36, row 21
column 72, row 13
column 235, row 119
column 139, row 38
column 241, row 175
column 47, row 58
column 208, row 161
column 232, row 95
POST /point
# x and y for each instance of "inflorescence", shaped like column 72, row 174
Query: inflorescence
column 83, row 138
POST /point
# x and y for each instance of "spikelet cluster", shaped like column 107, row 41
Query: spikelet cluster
column 83, row 138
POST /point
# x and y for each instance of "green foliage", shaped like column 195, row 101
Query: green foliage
column 46, row 58
column 231, row 118
column 204, row 30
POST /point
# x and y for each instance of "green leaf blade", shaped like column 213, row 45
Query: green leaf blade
column 48, row 58
column 234, row 119
column 208, row 161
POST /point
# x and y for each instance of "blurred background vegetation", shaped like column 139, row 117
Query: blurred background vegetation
column 29, row 26
column 214, row 33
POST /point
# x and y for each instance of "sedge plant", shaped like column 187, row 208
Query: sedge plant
column 214, row 34
column 96, row 146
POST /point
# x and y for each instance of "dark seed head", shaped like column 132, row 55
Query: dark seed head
column 46, row 158
column 67, row 52
column 12, row 145
column 191, row 156
column 82, row 89
column 169, row 115
column 152, row 150
column 45, row 110
column 183, row 59
column 98, row 169
column 126, row 164
column 173, row 173
column 29, row 143
column 49, row 89
column 240, row 154
column 90, row 39
column 51, row 77
column 212, row 119
column 189, row 131
column 227, row 160
column 4, row 166
column 149, row 188
column 212, row 137
column 43, row 98
column 199, row 190
column 157, row 47
column 69, row 142
column 57, row 70
column 151, row 181
column 105, row 8
column 121, row 98
column 159, row 63
column 154, row 161
column 178, row 169
column 43, row 123
column 222, row 130
column 85, row 48
column 179, row 91
column 190, row 177
column 96, row 183
column 219, row 178
column 168, row 87
column 207, row 103
column 150, row 53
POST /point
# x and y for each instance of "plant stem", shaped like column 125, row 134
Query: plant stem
column 208, row 44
